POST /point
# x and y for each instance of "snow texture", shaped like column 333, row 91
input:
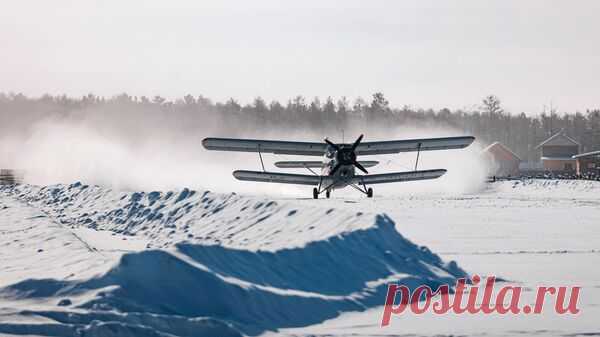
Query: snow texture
column 83, row 260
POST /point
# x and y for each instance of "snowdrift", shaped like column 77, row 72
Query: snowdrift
column 218, row 265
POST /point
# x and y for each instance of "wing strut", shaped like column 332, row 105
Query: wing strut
column 309, row 169
column 367, row 191
column 418, row 153
column 261, row 160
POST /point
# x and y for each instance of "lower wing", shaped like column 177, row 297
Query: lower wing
column 398, row 177
column 282, row 178
column 305, row 179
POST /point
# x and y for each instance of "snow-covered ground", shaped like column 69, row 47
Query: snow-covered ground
column 86, row 260
column 533, row 233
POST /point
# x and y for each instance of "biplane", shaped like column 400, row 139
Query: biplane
column 339, row 161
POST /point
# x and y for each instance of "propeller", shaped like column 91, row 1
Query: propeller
column 357, row 142
column 346, row 156
column 337, row 148
column 360, row 167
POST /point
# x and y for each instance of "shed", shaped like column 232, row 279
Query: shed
column 503, row 161
column 558, row 151
column 588, row 163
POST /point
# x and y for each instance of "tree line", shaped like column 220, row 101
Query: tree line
column 489, row 122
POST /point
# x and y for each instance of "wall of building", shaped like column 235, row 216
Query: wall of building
column 509, row 168
column 559, row 165
column 502, row 162
column 588, row 165
column 559, row 151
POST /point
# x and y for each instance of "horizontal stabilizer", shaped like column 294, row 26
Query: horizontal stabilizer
column 316, row 164
column 282, row 178
column 398, row 177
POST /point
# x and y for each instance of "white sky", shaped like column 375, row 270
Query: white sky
column 421, row 53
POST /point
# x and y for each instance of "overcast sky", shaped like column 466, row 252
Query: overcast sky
column 419, row 53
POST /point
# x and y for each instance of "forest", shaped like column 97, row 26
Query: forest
column 489, row 122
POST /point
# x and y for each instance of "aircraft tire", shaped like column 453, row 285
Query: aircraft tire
column 328, row 194
column 370, row 193
column 315, row 193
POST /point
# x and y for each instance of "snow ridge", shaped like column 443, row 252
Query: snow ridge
column 217, row 264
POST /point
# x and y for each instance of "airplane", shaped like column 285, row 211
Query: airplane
column 339, row 161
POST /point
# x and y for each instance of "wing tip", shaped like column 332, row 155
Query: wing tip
column 206, row 142
column 468, row 140
column 237, row 174
column 441, row 172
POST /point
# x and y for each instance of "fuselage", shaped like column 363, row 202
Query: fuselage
column 346, row 170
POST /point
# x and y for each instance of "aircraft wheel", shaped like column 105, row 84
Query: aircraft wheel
column 315, row 193
column 328, row 194
column 370, row 193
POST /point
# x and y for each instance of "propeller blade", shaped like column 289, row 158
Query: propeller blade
column 332, row 144
column 360, row 167
column 357, row 142
column 335, row 168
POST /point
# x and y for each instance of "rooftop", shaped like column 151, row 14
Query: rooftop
column 503, row 147
column 559, row 139
column 557, row 158
column 587, row 154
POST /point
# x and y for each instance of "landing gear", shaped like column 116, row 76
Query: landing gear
column 315, row 193
column 328, row 194
column 362, row 187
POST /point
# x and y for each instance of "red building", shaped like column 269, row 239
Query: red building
column 503, row 162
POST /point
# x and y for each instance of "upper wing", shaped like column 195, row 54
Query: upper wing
column 284, row 178
column 427, row 144
column 398, row 176
column 265, row 146
column 318, row 149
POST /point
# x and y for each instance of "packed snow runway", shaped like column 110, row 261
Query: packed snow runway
column 531, row 233
column 87, row 260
